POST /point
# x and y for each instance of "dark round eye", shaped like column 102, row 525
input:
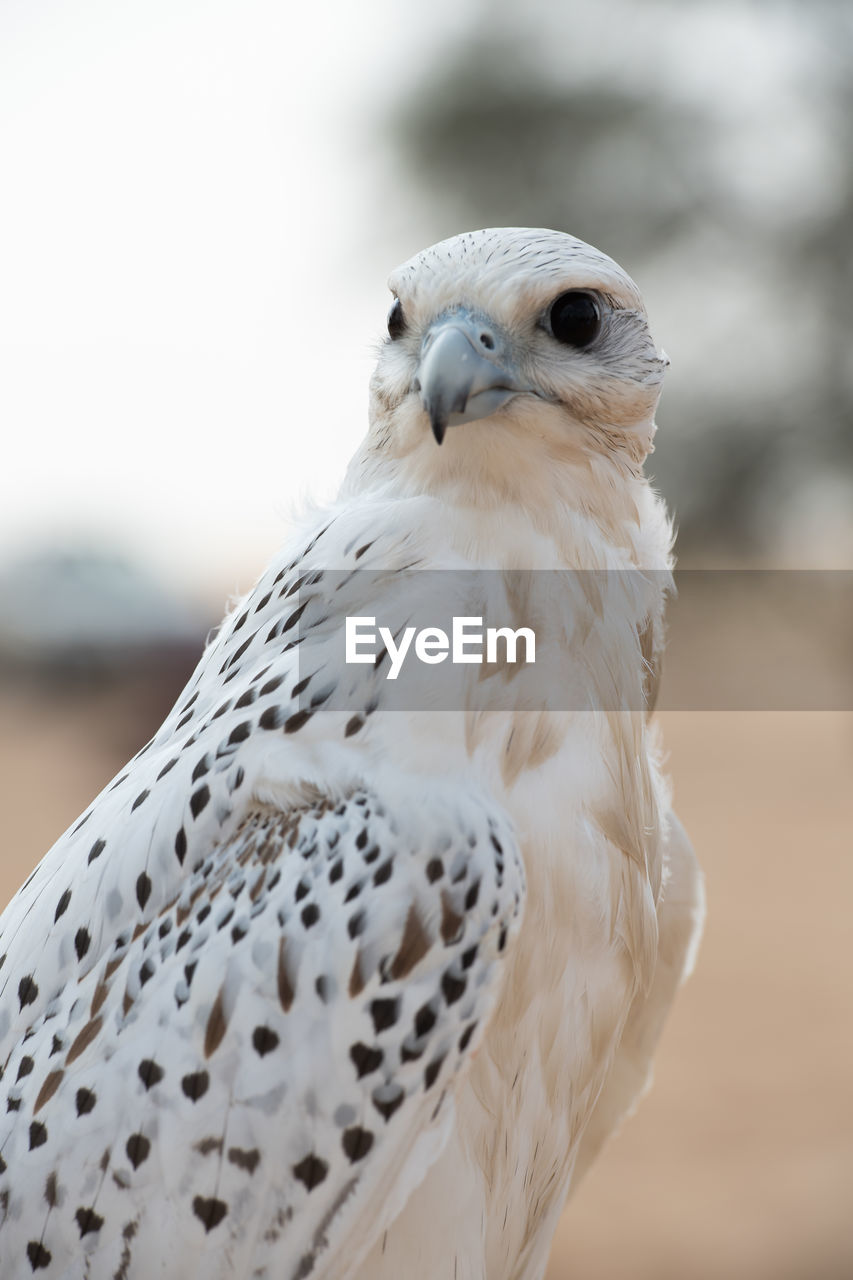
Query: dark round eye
column 575, row 318
column 396, row 320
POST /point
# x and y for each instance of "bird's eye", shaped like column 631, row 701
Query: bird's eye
column 575, row 318
column 396, row 320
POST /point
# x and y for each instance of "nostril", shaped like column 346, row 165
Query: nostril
column 487, row 341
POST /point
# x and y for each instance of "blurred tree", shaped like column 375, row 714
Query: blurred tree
column 705, row 146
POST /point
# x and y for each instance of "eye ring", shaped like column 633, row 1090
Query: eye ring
column 396, row 320
column 574, row 318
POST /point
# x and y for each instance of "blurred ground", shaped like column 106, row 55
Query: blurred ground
column 740, row 1161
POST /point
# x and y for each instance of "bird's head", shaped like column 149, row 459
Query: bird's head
column 510, row 349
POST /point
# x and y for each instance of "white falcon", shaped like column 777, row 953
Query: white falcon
column 320, row 988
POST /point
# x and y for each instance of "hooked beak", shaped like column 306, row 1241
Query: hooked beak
column 464, row 372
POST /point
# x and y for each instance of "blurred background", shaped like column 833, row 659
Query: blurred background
column 202, row 201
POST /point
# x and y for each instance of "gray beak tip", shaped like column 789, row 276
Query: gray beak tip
column 439, row 426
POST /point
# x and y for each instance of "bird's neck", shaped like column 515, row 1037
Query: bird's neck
column 500, row 505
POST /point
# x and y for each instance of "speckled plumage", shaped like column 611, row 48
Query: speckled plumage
column 318, row 988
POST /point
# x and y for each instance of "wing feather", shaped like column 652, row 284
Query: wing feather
column 283, row 1040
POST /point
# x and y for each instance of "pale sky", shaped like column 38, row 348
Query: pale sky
column 193, row 255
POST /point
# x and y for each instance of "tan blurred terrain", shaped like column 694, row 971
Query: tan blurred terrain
column 740, row 1161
